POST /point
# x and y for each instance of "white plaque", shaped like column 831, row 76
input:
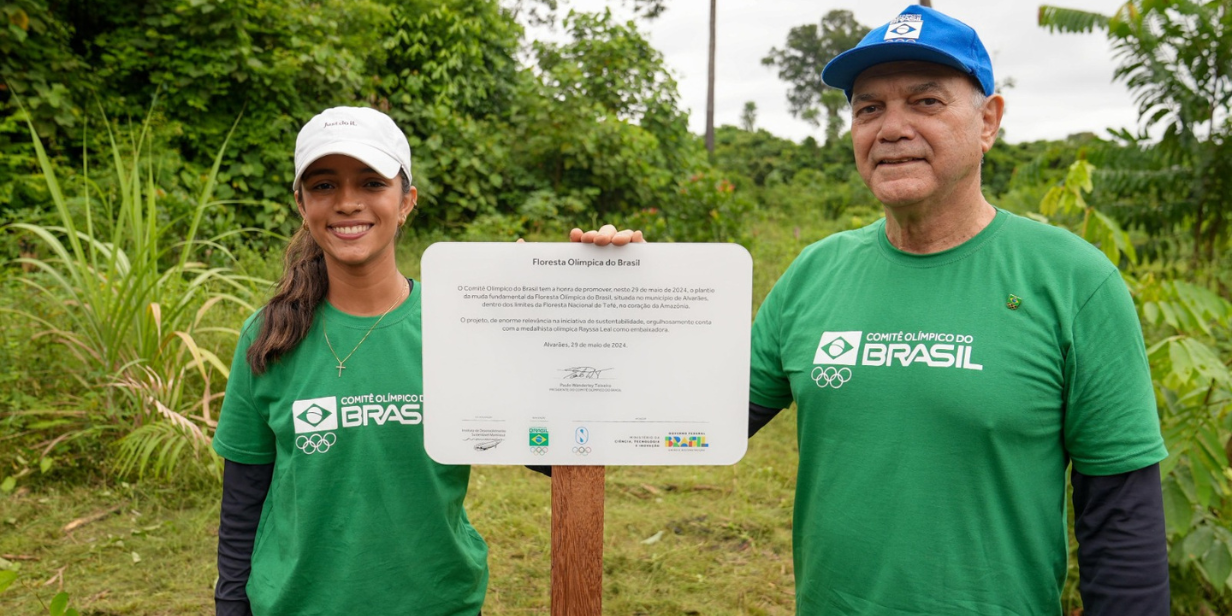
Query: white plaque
column 575, row 354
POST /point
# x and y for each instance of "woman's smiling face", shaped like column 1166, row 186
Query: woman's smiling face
column 352, row 211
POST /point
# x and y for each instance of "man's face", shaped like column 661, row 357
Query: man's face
column 917, row 132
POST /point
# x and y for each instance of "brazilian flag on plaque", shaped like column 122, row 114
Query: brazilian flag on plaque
column 538, row 437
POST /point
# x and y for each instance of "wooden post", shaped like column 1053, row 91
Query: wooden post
column 577, row 540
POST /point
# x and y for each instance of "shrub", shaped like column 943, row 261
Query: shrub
column 131, row 308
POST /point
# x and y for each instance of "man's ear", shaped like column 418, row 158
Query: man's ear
column 994, row 109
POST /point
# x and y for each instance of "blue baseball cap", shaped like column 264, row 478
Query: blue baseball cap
column 918, row 33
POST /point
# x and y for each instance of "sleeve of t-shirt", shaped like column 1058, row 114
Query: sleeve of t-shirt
column 768, row 383
column 1111, row 423
column 243, row 433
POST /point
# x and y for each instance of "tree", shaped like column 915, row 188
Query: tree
column 594, row 125
column 449, row 78
column 806, row 52
column 543, row 12
column 278, row 62
column 748, row 117
column 602, row 123
column 648, row 9
column 1175, row 57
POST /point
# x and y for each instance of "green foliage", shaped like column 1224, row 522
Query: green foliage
column 59, row 603
column 457, row 54
column 59, row 606
column 544, row 12
column 802, row 181
column 131, row 310
column 1060, row 19
column 806, row 52
column 1066, row 199
column 448, row 79
column 278, row 62
column 595, row 129
column 758, row 155
column 710, row 209
column 1186, row 331
column 596, row 122
column 38, row 64
column 1174, row 56
column 748, row 116
column 602, row 113
column 827, row 194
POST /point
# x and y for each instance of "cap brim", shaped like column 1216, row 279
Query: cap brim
column 376, row 158
column 843, row 70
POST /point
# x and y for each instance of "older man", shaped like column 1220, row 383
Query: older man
column 948, row 363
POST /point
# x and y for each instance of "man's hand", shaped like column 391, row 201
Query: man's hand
column 607, row 234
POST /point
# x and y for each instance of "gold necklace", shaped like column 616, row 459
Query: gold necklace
column 325, row 330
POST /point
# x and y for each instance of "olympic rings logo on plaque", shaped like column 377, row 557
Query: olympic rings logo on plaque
column 315, row 443
column 831, row 376
column 539, row 451
column 582, row 451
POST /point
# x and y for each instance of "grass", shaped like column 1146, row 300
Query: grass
column 723, row 547
column 151, row 553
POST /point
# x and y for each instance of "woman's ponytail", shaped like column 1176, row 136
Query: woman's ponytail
column 288, row 315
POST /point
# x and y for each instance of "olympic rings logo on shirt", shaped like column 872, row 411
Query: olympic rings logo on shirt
column 315, row 443
column 539, row 451
column 831, row 376
column 582, row 451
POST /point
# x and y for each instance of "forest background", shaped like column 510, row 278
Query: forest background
column 145, row 163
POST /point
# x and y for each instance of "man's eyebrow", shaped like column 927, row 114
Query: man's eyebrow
column 928, row 86
column 860, row 98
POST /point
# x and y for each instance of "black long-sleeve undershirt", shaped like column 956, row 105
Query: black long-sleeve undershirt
column 244, row 487
column 1122, row 545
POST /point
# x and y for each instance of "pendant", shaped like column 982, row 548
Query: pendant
column 340, row 368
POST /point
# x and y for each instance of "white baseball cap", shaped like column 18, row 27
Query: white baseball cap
column 364, row 134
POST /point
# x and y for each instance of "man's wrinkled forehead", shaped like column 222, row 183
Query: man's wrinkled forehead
column 914, row 75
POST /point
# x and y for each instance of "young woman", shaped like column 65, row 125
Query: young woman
column 330, row 504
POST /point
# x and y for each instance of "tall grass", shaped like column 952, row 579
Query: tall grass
column 129, row 301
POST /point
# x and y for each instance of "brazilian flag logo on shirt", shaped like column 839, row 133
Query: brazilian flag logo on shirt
column 314, row 415
column 837, row 348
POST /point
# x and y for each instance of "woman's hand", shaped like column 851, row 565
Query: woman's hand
column 607, row 234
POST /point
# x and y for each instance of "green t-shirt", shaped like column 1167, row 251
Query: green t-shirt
column 940, row 399
column 358, row 519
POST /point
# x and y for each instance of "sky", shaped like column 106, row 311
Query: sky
column 1063, row 82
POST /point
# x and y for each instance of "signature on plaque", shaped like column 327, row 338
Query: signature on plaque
column 584, row 372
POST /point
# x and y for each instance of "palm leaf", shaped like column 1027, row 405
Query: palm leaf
column 1058, row 19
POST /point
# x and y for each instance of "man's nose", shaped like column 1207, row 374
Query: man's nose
column 895, row 124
